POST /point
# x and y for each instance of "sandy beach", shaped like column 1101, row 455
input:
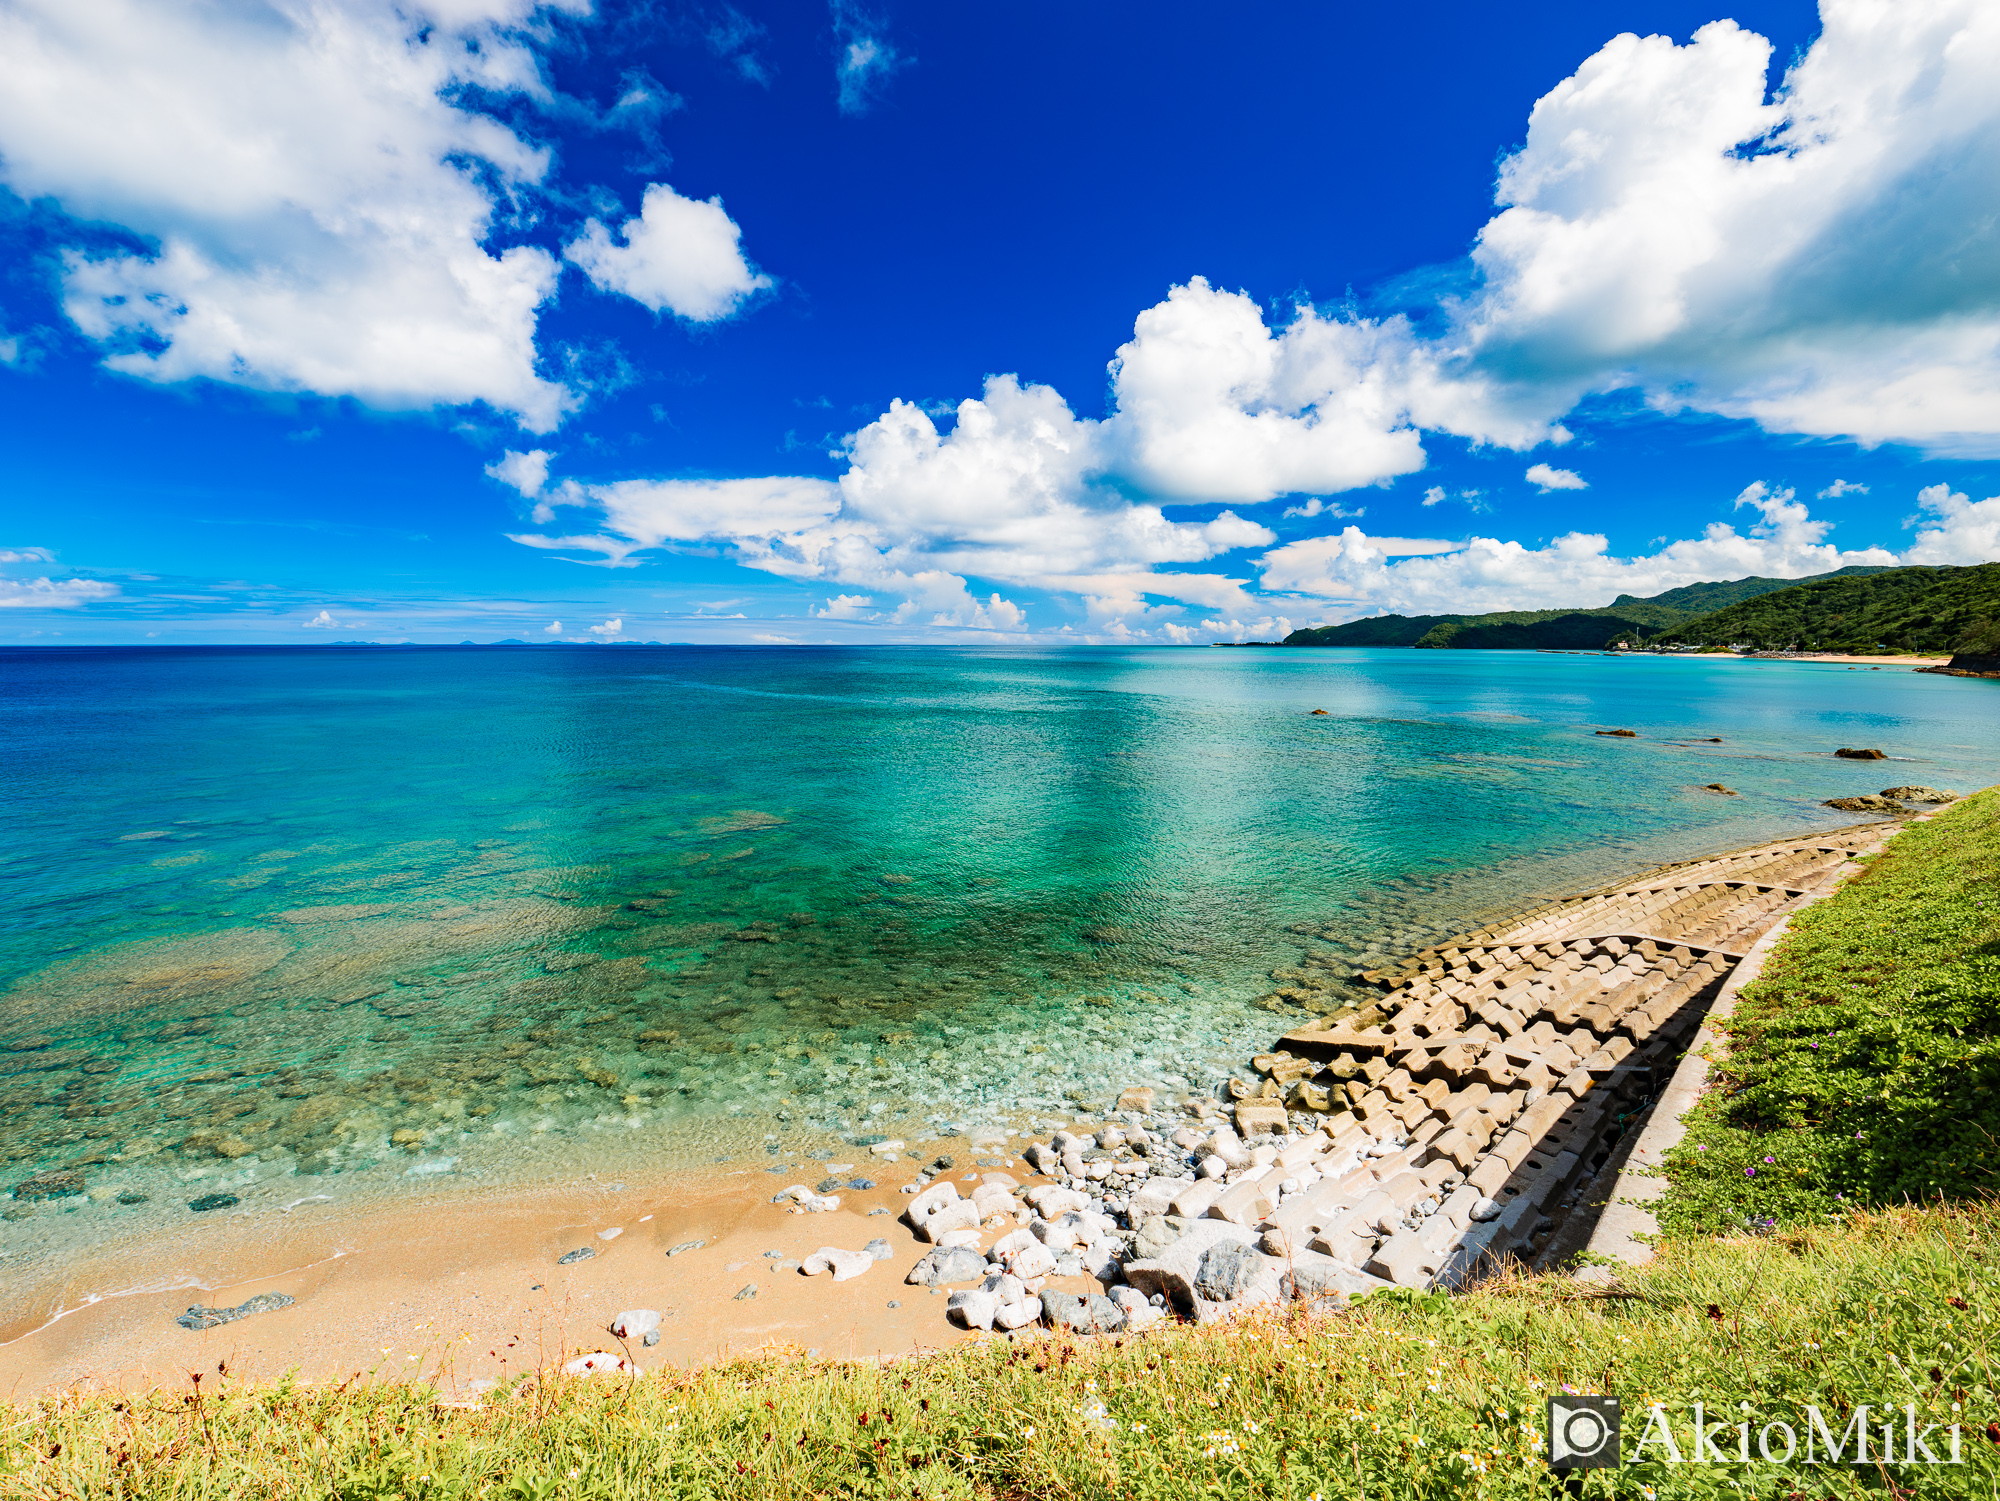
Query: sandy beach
column 471, row 1287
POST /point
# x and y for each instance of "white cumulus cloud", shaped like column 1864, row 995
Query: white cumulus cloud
column 315, row 203
column 526, row 472
column 681, row 255
column 1823, row 260
column 1575, row 570
column 1957, row 531
column 323, row 621
column 1547, row 478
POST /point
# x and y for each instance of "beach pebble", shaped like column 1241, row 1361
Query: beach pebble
column 596, row 1363
column 887, row 1149
column 581, row 1253
column 612, row 1234
column 635, row 1323
column 652, row 1338
column 1486, row 1209
column 842, row 1264
column 689, row 1245
column 971, row 1236
column 748, row 1290
column 879, row 1249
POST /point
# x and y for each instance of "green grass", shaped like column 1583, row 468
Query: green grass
column 1405, row 1396
column 1863, row 1067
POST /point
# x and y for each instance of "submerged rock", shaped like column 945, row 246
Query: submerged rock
column 59, row 1184
column 199, row 1317
column 213, row 1201
column 1851, row 753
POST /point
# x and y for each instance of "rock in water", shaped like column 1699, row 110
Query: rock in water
column 1920, row 794
column 1226, row 1272
column 213, row 1201
column 1850, row 753
column 199, row 1317
column 1718, row 787
column 60, row 1184
column 1621, row 734
column 581, row 1253
column 1869, row 803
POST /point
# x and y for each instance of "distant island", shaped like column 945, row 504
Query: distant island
column 1852, row 609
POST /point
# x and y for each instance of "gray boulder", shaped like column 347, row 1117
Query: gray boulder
column 1226, row 1272
column 1095, row 1314
column 1173, row 1272
column 959, row 1264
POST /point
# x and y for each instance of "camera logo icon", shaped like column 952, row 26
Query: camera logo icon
column 1583, row 1433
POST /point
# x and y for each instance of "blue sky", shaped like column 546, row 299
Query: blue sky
column 287, row 283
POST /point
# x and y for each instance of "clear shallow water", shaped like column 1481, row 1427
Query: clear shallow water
column 346, row 914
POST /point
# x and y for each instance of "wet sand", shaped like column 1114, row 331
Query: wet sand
column 470, row 1287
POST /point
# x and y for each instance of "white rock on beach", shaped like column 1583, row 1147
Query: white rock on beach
column 970, row 1236
column 843, row 1264
column 635, row 1323
column 1018, row 1315
column 1012, row 1241
column 973, row 1308
column 1032, row 1260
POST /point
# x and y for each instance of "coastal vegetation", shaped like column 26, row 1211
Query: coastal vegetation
column 1863, row 1067
column 1904, row 609
column 1556, row 630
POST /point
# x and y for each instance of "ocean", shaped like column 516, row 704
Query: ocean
column 389, row 919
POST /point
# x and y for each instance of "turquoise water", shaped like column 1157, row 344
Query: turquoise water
column 350, row 914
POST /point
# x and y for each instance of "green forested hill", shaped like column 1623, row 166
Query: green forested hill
column 1551, row 630
column 1701, row 599
column 1906, row 609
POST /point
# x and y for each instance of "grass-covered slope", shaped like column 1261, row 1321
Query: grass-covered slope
column 1863, row 1067
column 1409, row 1396
column 1551, row 630
column 1907, row 609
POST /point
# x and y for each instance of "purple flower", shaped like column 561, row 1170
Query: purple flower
column 1815, row 1047
column 1770, row 1159
column 1749, row 1172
